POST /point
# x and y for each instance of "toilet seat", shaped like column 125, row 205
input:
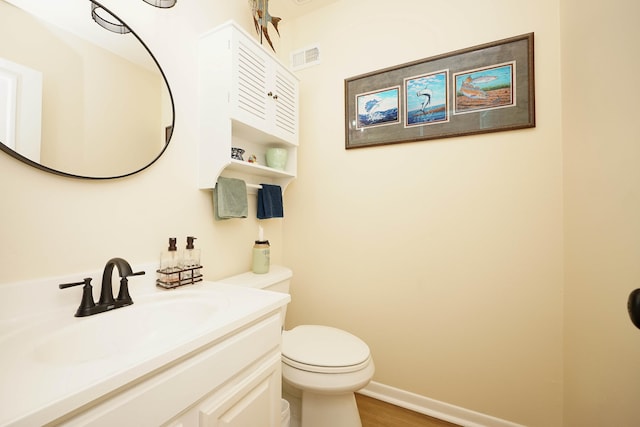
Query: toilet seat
column 324, row 349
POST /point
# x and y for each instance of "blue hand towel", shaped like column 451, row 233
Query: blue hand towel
column 270, row 202
column 230, row 198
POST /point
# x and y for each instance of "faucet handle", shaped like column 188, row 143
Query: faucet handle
column 123, row 295
column 87, row 305
column 86, row 281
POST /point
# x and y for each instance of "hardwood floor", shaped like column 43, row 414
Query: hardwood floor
column 376, row 413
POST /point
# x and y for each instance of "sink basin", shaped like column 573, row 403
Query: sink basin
column 152, row 322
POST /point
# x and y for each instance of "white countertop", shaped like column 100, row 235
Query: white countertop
column 34, row 391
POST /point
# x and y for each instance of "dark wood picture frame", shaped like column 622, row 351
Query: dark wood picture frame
column 485, row 88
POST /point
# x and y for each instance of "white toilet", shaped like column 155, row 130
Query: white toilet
column 327, row 365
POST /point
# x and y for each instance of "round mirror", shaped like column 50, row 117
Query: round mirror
column 75, row 98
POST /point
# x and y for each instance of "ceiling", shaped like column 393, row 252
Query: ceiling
column 74, row 16
column 290, row 9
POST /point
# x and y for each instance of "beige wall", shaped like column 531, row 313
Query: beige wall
column 602, row 211
column 448, row 256
column 444, row 256
column 53, row 225
column 490, row 272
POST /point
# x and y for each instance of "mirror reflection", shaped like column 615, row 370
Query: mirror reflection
column 75, row 98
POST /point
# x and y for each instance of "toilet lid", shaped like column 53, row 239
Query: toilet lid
column 323, row 346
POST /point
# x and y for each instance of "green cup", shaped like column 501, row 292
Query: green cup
column 277, row 158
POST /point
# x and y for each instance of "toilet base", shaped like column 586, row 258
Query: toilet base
column 335, row 410
column 327, row 400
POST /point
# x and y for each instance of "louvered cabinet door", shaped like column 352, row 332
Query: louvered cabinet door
column 249, row 101
column 285, row 105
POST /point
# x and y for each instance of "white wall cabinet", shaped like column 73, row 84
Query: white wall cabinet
column 234, row 383
column 248, row 99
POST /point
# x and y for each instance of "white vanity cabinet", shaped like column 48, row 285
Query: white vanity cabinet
column 249, row 100
column 249, row 402
column 235, row 382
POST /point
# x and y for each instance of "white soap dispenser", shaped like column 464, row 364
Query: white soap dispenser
column 169, row 273
column 191, row 260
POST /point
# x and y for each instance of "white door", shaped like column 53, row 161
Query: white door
column 8, row 107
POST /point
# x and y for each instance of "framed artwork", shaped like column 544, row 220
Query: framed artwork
column 378, row 108
column 485, row 88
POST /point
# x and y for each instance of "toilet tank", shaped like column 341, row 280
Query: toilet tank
column 277, row 279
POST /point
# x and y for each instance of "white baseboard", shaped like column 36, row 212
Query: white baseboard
column 433, row 408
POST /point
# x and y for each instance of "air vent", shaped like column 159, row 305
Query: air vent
column 306, row 57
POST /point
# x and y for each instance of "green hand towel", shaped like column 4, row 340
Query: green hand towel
column 230, row 198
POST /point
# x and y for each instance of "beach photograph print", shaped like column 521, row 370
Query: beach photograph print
column 486, row 88
column 426, row 99
column 378, row 108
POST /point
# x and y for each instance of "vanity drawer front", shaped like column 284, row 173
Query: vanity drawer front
column 252, row 401
column 155, row 399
